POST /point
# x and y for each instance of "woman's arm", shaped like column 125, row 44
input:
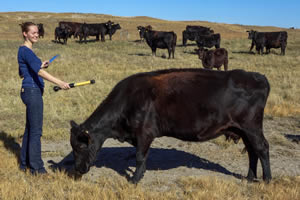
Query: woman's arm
column 45, row 75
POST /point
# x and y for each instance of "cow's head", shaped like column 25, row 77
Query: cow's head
column 141, row 30
column 251, row 34
column 201, row 53
column 84, row 150
column 109, row 24
column 117, row 26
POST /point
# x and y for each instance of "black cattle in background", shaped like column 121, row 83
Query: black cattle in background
column 268, row 40
column 192, row 35
column 62, row 33
column 112, row 31
column 192, row 32
column 162, row 40
column 96, row 29
column 187, row 104
column 209, row 41
column 141, row 30
column 41, row 30
column 72, row 26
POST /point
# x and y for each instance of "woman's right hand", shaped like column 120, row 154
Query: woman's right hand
column 63, row 85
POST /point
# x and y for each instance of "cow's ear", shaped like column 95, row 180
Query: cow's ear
column 73, row 124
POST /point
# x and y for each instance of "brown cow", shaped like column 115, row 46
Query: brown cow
column 213, row 58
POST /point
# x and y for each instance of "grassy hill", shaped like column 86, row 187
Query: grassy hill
column 108, row 63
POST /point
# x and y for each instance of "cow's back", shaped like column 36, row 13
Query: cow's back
column 189, row 99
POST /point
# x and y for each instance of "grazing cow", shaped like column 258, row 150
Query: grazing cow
column 61, row 33
column 213, row 58
column 187, row 104
column 114, row 28
column 268, row 40
column 73, row 27
column 162, row 40
column 142, row 30
column 95, row 30
column 209, row 41
column 41, row 30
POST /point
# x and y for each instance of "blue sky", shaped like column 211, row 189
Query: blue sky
column 280, row 13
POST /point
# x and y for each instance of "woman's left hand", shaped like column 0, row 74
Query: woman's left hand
column 45, row 64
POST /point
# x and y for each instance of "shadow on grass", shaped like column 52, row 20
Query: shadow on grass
column 120, row 159
column 293, row 138
column 10, row 144
column 244, row 52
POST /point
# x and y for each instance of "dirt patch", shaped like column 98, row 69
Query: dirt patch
column 170, row 159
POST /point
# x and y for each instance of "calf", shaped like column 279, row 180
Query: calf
column 213, row 58
column 187, row 104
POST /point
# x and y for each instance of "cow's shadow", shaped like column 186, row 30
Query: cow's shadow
column 120, row 159
column 88, row 41
column 187, row 45
column 244, row 52
column 139, row 54
column 58, row 42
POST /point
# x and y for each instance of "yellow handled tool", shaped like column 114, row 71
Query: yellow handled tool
column 56, row 88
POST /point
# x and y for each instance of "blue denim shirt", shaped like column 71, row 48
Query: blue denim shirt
column 29, row 66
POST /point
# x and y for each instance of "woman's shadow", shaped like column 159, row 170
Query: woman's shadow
column 10, row 144
column 120, row 159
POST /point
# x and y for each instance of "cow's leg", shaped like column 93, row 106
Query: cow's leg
column 173, row 51
column 143, row 145
column 169, row 51
column 252, row 45
column 153, row 51
column 226, row 64
column 257, row 147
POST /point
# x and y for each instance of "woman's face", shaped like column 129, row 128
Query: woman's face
column 32, row 35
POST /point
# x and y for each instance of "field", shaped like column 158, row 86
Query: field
column 176, row 169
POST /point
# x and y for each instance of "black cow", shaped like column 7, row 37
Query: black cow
column 192, row 32
column 268, row 40
column 114, row 28
column 41, row 30
column 61, row 33
column 142, row 30
column 98, row 29
column 197, row 28
column 188, row 104
column 213, row 58
column 208, row 40
column 160, row 39
column 193, row 35
column 72, row 26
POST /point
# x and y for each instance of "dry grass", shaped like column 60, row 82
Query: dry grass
column 110, row 62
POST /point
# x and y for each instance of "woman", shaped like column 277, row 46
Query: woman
column 31, row 69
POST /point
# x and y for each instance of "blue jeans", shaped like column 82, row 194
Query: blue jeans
column 30, row 156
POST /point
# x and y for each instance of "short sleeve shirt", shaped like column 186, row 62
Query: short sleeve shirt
column 29, row 66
